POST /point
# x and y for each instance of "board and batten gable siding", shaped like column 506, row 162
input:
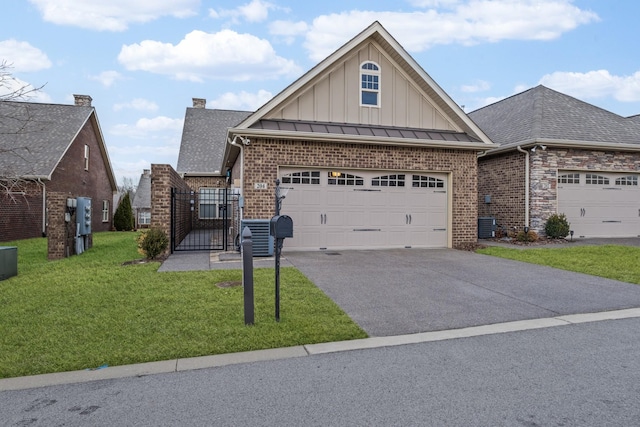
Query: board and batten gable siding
column 266, row 156
column 334, row 96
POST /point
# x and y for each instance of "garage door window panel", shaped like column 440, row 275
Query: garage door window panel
column 569, row 178
column 388, row 181
column 306, row 177
column 424, row 181
column 341, row 178
column 629, row 180
column 592, row 179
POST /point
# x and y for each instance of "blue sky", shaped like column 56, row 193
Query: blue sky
column 142, row 61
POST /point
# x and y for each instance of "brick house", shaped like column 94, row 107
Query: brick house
column 558, row 154
column 141, row 204
column 51, row 152
column 373, row 153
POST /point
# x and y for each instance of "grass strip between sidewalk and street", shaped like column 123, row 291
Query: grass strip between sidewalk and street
column 90, row 310
column 610, row 261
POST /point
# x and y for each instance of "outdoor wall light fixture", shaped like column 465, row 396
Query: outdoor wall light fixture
column 571, row 234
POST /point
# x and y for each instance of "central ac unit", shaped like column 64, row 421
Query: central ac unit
column 486, row 227
column 260, row 236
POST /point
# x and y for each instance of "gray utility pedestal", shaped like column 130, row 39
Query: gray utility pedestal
column 8, row 262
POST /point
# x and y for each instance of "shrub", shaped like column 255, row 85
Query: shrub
column 123, row 217
column 557, row 226
column 152, row 242
column 528, row 237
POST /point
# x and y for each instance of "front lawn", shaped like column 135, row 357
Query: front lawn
column 610, row 261
column 90, row 310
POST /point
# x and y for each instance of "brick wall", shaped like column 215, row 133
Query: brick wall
column 163, row 179
column 503, row 178
column 263, row 157
column 21, row 212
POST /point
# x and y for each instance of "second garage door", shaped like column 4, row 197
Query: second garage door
column 345, row 209
column 600, row 204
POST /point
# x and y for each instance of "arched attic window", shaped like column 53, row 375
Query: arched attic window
column 369, row 84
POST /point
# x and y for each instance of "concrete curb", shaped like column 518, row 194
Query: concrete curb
column 179, row 365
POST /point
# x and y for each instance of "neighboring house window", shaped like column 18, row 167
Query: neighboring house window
column 627, row 180
column 341, row 178
column 570, row 178
column 388, row 181
column 105, row 211
column 212, row 203
column 144, row 218
column 307, row 177
column 86, row 157
column 370, row 84
column 427, row 182
column 596, row 179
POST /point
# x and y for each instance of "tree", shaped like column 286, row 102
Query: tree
column 15, row 120
column 123, row 218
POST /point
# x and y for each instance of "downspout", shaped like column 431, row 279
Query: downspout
column 44, row 208
column 234, row 142
column 526, row 185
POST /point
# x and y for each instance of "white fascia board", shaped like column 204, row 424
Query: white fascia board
column 564, row 143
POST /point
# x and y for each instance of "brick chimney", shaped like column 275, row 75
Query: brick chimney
column 146, row 172
column 199, row 102
column 83, row 100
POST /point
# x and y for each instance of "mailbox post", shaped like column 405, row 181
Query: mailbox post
column 281, row 227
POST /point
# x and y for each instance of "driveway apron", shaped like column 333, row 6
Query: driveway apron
column 403, row 291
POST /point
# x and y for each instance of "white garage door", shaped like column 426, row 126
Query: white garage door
column 600, row 204
column 342, row 209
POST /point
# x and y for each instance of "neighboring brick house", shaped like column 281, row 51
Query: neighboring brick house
column 558, row 154
column 141, row 204
column 373, row 152
column 51, row 152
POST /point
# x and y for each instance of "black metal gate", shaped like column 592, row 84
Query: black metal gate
column 203, row 220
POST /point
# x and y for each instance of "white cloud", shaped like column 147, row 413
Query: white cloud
column 288, row 30
column 242, row 101
column 145, row 128
column 478, row 86
column 595, row 84
column 112, row 15
column 22, row 57
column 468, row 23
column 200, row 56
column 255, row 11
column 139, row 104
column 107, row 78
column 11, row 88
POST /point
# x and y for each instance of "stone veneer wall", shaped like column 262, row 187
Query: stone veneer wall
column 263, row 157
column 163, row 179
column 544, row 171
column 503, row 178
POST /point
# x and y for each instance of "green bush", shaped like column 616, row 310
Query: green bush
column 152, row 242
column 557, row 226
column 528, row 237
column 123, row 217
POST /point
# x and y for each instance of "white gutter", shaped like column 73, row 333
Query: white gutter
column 526, row 185
column 244, row 142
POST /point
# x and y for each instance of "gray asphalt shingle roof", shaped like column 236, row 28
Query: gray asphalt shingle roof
column 204, row 139
column 142, row 199
column 543, row 113
column 35, row 136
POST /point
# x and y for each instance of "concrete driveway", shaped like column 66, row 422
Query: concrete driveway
column 403, row 291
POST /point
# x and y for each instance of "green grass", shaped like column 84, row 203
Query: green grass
column 610, row 261
column 89, row 310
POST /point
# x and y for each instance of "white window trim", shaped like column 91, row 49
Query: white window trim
column 86, row 157
column 105, row 211
column 378, row 91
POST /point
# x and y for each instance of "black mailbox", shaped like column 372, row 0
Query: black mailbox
column 281, row 226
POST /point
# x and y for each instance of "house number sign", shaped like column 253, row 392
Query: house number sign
column 260, row 185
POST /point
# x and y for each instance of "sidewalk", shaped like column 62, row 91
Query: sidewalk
column 205, row 260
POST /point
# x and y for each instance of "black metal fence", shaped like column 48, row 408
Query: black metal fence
column 204, row 220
